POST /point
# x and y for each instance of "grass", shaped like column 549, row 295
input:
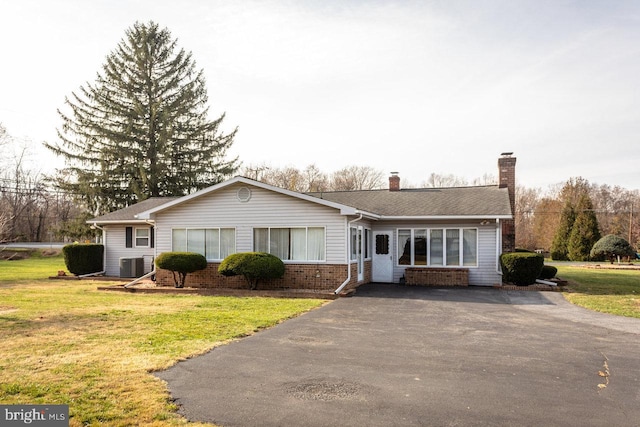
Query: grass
column 65, row 342
column 608, row 291
column 38, row 265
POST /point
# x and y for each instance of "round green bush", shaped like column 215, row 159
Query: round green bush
column 521, row 268
column 611, row 247
column 182, row 263
column 254, row 266
column 83, row 258
column 547, row 272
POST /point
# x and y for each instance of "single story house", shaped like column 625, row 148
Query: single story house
column 329, row 241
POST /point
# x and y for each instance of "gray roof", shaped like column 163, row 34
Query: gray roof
column 454, row 201
column 129, row 213
column 489, row 201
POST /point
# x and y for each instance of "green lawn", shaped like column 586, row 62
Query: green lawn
column 37, row 266
column 608, row 291
column 65, row 342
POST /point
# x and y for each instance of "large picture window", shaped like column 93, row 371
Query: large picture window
column 291, row 244
column 438, row 247
column 213, row 243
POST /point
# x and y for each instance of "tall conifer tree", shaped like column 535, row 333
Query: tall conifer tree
column 142, row 128
column 585, row 231
column 559, row 251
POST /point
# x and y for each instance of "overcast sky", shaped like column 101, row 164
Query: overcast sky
column 409, row 86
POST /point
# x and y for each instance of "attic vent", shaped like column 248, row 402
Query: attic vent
column 243, row 194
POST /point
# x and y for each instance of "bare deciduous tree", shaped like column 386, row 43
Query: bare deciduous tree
column 357, row 178
column 527, row 200
column 437, row 180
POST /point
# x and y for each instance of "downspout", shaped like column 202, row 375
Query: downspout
column 97, row 273
column 498, row 245
column 149, row 274
column 341, row 287
column 95, row 226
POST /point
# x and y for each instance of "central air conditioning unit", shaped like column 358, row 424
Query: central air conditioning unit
column 131, row 267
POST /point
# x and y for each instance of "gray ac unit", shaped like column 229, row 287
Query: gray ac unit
column 131, row 267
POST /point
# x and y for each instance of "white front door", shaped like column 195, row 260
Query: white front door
column 382, row 262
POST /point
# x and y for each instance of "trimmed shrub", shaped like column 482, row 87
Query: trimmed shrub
column 83, row 258
column 254, row 266
column 547, row 272
column 181, row 263
column 612, row 247
column 521, row 268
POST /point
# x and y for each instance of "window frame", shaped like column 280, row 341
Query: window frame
column 205, row 229
column 136, row 237
column 411, row 233
column 306, row 228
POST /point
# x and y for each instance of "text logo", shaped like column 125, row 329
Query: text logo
column 34, row 415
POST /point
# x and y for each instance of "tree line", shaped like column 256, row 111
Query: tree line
column 570, row 217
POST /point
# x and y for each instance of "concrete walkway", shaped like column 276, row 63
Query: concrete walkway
column 401, row 356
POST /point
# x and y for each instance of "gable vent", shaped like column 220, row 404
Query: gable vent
column 243, row 194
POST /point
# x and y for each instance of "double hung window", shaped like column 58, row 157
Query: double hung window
column 142, row 237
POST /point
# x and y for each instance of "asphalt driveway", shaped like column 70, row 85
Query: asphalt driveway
column 401, row 356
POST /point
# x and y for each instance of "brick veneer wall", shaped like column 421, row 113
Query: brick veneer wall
column 437, row 276
column 319, row 277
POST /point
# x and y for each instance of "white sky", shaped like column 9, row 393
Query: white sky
column 410, row 86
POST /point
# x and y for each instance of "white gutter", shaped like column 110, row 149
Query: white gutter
column 443, row 217
column 341, row 287
column 149, row 274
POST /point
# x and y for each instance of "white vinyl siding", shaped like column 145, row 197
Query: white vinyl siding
column 115, row 248
column 265, row 209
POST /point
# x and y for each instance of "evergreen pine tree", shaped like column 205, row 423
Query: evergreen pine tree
column 142, row 129
column 559, row 251
column 585, row 231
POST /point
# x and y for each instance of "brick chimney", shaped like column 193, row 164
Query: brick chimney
column 507, row 179
column 394, row 182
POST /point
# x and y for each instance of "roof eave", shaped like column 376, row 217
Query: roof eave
column 119, row 221
column 443, row 217
column 344, row 209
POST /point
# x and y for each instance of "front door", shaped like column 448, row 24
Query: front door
column 382, row 262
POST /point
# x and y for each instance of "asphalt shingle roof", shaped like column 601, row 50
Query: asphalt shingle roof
column 454, row 201
column 129, row 213
column 418, row 202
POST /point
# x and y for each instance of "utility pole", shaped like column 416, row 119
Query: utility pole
column 631, row 224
